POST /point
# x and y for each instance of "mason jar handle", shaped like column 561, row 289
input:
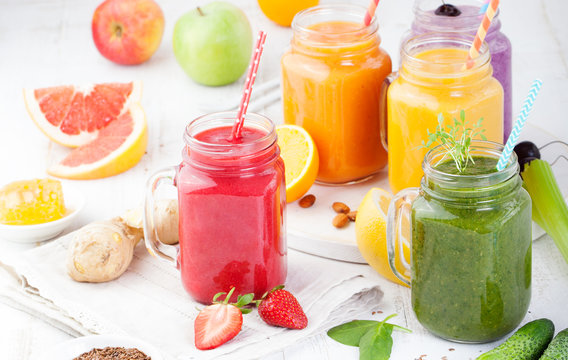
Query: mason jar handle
column 383, row 105
column 153, row 243
column 400, row 204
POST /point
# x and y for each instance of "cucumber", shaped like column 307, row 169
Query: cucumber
column 527, row 343
column 558, row 347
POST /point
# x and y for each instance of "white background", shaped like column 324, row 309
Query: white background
column 47, row 43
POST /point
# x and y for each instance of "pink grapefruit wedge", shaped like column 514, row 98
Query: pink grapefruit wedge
column 117, row 147
column 73, row 115
column 104, row 122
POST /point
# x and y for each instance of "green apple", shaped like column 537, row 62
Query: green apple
column 213, row 43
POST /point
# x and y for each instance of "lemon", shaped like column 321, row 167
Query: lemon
column 301, row 160
column 370, row 231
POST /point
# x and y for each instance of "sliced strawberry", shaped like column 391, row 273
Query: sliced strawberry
column 217, row 324
column 280, row 308
column 220, row 322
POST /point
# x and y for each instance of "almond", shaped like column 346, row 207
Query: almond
column 340, row 207
column 340, row 220
column 352, row 215
column 307, row 201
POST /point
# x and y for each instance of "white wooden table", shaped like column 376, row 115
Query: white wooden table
column 48, row 42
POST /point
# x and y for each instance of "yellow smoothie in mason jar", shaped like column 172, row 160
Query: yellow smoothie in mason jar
column 433, row 80
column 331, row 81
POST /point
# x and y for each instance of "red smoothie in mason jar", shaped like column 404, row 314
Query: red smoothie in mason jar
column 232, row 199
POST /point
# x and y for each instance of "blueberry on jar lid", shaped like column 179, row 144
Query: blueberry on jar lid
column 447, row 10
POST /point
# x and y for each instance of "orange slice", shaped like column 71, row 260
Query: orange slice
column 301, row 160
column 73, row 115
column 282, row 12
column 370, row 231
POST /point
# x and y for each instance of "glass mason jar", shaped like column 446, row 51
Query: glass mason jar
column 232, row 202
column 466, row 20
column 470, row 251
column 331, row 81
column 433, row 80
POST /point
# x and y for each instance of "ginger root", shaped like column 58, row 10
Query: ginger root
column 102, row 251
column 166, row 222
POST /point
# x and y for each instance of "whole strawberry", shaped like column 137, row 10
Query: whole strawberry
column 218, row 323
column 280, row 308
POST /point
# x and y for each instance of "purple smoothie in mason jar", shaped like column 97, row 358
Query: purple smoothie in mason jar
column 463, row 16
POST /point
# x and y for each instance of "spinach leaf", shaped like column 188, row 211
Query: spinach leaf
column 400, row 328
column 350, row 333
column 373, row 338
column 376, row 344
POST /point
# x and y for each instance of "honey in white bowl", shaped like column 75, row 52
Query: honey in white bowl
column 29, row 202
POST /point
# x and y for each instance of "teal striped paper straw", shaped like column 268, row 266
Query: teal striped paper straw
column 519, row 124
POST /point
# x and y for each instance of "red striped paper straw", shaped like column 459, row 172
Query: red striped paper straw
column 482, row 32
column 371, row 11
column 251, row 76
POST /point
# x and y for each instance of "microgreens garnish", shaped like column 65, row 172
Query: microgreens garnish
column 456, row 139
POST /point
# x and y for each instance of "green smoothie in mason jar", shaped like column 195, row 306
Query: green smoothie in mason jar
column 471, row 247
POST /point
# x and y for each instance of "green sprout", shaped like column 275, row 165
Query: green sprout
column 456, row 139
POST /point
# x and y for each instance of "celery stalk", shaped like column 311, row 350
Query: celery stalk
column 537, row 217
column 551, row 210
column 535, row 214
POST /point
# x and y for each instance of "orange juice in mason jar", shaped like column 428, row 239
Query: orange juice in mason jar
column 331, row 82
column 432, row 80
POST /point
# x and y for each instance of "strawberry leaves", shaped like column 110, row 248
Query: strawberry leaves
column 242, row 301
column 373, row 338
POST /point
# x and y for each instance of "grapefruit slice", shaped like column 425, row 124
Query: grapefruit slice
column 73, row 115
column 116, row 148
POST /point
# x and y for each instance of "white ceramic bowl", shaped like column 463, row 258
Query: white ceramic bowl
column 74, row 202
column 70, row 349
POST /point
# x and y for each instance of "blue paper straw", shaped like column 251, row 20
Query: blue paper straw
column 519, row 124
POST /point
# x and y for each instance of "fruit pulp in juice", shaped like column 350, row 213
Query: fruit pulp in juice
column 231, row 223
column 333, row 92
column 414, row 105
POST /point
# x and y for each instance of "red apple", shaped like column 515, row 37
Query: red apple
column 128, row 32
